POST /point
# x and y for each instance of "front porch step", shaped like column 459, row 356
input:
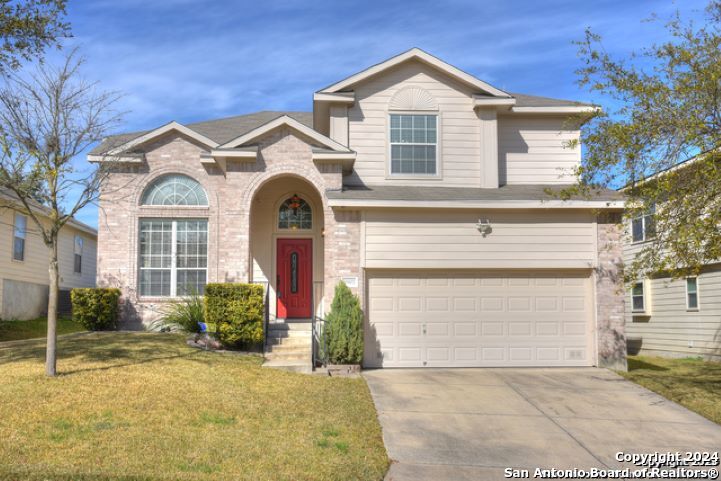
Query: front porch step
column 297, row 340
column 303, row 366
column 280, row 326
column 289, row 353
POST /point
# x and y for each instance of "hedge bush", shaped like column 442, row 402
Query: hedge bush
column 237, row 312
column 343, row 329
column 96, row 308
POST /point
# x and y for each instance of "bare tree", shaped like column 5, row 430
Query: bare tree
column 47, row 119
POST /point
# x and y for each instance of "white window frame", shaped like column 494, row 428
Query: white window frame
column 644, row 218
column 23, row 236
column 698, row 295
column 644, row 297
column 173, row 255
column 389, row 164
column 78, row 241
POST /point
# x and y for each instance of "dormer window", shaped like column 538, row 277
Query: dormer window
column 414, row 144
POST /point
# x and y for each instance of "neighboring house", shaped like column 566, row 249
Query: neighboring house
column 419, row 185
column 24, row 283
column 671, row 317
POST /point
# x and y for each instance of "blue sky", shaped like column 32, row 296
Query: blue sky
column 192, row 60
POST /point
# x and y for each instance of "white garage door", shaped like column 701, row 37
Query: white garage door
column 441, row 320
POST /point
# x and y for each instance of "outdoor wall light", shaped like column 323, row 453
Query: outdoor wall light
column 484, row 226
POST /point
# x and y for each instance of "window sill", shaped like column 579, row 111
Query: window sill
column 695, row 309
column 414, row 177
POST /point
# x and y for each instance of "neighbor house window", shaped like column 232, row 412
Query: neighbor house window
column 295, row 213
column 643, row 227
column 414, row 142
column 78, row 258
column 19, row 233
column 692, row 293
column 638, row 298
column 173, row 257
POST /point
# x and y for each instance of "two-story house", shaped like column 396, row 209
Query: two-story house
column 667, row 316
column 24, row 284
column 420, row 186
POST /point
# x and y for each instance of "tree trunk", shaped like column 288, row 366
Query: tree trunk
column 50, row 356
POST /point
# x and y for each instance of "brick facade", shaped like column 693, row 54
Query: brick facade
column 281, row 153
column 610, row 297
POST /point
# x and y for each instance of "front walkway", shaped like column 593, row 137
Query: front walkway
column 470, row 424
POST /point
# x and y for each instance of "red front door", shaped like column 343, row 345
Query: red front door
column 294, row 281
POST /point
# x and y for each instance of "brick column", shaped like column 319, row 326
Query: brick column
column 610, row 296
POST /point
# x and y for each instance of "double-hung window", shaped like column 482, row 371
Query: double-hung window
column 638, row 297
column 692, row 293
column 78, row 257
column 19, row 234
column 173, row 257
column 643, row 227
column 414, row 144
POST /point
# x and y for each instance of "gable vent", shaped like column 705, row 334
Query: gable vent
column 413, row 98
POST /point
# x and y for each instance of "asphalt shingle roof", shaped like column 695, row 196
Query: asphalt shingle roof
column 220, row 130
column 424, row 193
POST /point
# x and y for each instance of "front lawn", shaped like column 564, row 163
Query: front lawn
column 34, row 328
column 141, row 406
column 693, row 383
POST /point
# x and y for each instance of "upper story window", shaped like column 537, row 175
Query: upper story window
column 643, row 227
column 414, row 144
column 175, row 189
column 19, row 234
column 295, row 213
column 78, row 255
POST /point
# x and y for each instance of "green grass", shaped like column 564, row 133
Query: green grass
column 34, row 328
column 142, row 406
column 691, row 382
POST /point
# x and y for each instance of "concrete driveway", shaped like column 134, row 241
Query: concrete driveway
column 470, row 424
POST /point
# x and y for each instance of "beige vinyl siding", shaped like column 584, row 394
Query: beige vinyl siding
column 449, row 239
column 532, row 150
column 459, row 147
column 34, row 268
column 671, row 329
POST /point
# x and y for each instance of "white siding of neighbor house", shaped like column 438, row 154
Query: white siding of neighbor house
column 459, row 127
column 533, row 150
column 34, row 268
column 445, row 239
column 30, row 276
column 669, row 328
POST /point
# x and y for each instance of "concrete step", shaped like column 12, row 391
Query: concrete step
column 288, row 348
column 303, row 366
column 290, row 326
column 300, row 341
column 289, row 355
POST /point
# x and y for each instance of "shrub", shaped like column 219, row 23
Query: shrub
column 344, row 328
column 96, row 308
column 184, row 314
column 237, row 312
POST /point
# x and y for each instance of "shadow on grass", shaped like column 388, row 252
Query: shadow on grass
column 105, row 350
column 636, row 364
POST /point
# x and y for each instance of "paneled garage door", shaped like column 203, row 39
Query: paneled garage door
column 480, row 319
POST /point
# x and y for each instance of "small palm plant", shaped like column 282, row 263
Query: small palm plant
column 184, row 315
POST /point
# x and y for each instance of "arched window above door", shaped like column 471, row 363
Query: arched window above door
column 295, row 213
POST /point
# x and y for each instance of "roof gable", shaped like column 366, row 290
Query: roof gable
column 153, row 134
column 288, row 122
column 424, row 57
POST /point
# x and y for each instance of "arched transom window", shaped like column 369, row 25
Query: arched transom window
column 295, row 213
column 174, row 189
